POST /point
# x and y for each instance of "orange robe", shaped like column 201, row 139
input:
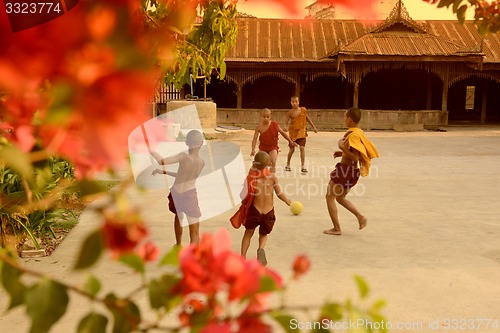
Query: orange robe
column 240, row 217
column 297, row 127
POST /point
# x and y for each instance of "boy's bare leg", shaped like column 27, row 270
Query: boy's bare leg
column 350, row 207
column 302, row 157
column 262, row 241
column 245, row 242
column 273, row 154
column 289, row 157
column 177, row 231
column 332, row 192
column 261, row 254
column 194, row 229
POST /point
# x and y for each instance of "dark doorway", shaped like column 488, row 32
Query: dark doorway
column 268, row 92
column 461, row 108
column 327, row 92
column 401, row 89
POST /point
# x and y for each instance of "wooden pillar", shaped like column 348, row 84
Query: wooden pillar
column 297, row 86
column 444, row 98
column 483, row 102
column 239, row 96
column 355, row 100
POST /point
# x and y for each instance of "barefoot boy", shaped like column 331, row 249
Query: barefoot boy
column 183, row 199
column 354, row 147
column 297, row 130
column 258, row 205
column 267, row 132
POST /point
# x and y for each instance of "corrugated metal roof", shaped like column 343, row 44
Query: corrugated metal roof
column 275, row 40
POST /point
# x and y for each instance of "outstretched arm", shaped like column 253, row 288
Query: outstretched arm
column 254, row 141
column 312, row 124
column 167, row 160
column 165, row 172
column 285, row 135
column 281, row 195
column 287, row 122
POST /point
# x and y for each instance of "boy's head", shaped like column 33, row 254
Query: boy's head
column 261, row 160
column 352, row 116
column 294, row 101
column 265, row 115
column 194, row 139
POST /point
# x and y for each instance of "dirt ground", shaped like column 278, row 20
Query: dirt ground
column 430, row 250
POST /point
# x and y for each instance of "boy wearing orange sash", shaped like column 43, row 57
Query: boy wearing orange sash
column 298, row 119
column 354, row 147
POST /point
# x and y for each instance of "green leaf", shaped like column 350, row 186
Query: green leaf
column 133, row 261
column 267, row 284
column 456, row 3
column 11, row 280
column 126, row 314
column 378, row 305
column 46, row 303
column 90, row 187
column 333, row 311
column 444, row 3
column 93, row 323
column 160, row 292
column 17, row 160
column 223, row 69
column 285, row 321
column 91, row 250
column 461, row 14
column 171, row 258
column 92, row 285
column 362, row 286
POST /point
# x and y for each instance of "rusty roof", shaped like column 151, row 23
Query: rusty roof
column 315, row 40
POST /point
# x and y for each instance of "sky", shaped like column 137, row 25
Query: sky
column 418, row 9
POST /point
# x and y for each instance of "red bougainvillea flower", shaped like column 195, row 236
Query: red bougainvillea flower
column 211, row 266
column 123, row 232
column 300, row 266
column 148, row 251
column 253, row 325
column 221, row 276
column 223, row 327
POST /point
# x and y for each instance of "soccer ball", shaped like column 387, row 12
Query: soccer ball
column 296, row 207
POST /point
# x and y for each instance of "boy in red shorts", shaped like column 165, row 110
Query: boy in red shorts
column 183, row 198
column 259, row 205
column 354, row 147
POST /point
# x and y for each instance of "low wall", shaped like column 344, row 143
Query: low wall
column 206, row 111
column 328, row 120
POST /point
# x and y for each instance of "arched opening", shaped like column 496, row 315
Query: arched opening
column 327, row 92
column 400, row 89
column 466, row 98
column 267, row 92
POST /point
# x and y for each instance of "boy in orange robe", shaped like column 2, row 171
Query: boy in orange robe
column 297, row 130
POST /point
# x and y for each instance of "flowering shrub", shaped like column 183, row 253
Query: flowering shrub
column 74, row 87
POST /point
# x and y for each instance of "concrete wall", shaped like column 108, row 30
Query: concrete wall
column 401, row 120
column 206, row 111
